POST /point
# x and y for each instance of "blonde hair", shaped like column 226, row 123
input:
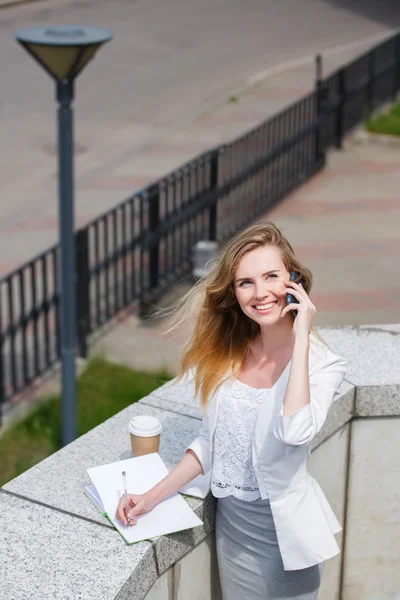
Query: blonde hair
column 222, row 332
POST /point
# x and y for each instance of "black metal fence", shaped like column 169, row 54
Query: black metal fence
column 135, row 252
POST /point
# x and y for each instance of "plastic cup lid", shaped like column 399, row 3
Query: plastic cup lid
column 145, row 426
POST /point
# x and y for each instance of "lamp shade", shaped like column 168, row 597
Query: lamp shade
column 63, row 50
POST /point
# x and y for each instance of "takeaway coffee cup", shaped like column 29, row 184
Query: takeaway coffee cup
column 145, row 435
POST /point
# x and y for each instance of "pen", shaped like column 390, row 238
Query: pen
column 126, row 497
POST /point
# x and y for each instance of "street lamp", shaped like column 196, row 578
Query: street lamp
column 64, row 51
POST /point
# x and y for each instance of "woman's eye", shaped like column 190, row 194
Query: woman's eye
column 272, row 276
column 244, row 283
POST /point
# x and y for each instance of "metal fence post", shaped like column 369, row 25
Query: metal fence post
column 82, row 290
column 2, row 379
column 212, row 228
column 319, row 89
column 370, row 83
column 151, row 244
column 396, row 68
column 340, row 110
column 153, row 200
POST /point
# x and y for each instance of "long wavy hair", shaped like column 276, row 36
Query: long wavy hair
column 222, row 332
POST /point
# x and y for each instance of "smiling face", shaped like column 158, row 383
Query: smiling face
column 259, row 284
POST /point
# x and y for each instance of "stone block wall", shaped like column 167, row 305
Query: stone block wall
column 372, row 549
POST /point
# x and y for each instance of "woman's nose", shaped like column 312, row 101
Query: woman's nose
column 261, row 290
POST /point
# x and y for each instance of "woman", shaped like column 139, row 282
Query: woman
column 266, row 381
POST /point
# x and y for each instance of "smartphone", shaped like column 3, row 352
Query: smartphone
column 290, row 299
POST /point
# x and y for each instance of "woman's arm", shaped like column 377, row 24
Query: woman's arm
column 300, row 427
column 307, row 398
column 297, row 393
column 187, row 469
column 298, row 388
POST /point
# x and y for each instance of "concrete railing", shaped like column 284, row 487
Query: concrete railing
column 55, row 545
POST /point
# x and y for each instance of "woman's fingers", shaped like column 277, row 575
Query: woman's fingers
column 137, row 509
column 296, row 286
column 294, row 293
column 137, row 505
column 298, row 292
column 132, row 506
column 288, row 308
column 121, row 513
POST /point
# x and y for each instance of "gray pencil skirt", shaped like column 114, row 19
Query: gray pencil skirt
column 249, row 561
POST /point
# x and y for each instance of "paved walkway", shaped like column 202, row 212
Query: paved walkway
column 344, row 224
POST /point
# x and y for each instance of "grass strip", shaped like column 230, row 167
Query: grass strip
column 386, row 123
column 103, row 390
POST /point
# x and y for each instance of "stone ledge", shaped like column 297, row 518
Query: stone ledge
column 371, row 389
column 47, row 554
column 176, row 398
column 378, row 401
column 373, row 357
column 106, row 443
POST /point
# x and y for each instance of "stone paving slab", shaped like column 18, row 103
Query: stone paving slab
column 176, row 397
column 373, row 355
column 373, row 367
column 58, row 552
column 173, row 406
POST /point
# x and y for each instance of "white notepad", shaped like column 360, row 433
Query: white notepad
column 142, row 473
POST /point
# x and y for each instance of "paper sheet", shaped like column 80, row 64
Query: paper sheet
column 142, row 473
column 92, row 494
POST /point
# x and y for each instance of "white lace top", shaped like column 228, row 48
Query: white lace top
column 232, row 471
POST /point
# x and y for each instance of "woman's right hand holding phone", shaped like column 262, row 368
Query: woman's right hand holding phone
column 138, row 504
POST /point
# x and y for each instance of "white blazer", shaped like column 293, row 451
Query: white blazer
column 305, row 523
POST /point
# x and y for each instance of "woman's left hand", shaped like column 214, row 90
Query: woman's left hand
column 305, row 309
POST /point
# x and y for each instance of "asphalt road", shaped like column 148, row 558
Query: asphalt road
column 169, row 60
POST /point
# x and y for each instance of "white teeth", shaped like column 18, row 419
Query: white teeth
column 265, row 306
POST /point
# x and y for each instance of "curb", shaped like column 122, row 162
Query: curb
column 365, row 137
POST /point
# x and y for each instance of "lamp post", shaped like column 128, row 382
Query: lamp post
column 64, row 51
